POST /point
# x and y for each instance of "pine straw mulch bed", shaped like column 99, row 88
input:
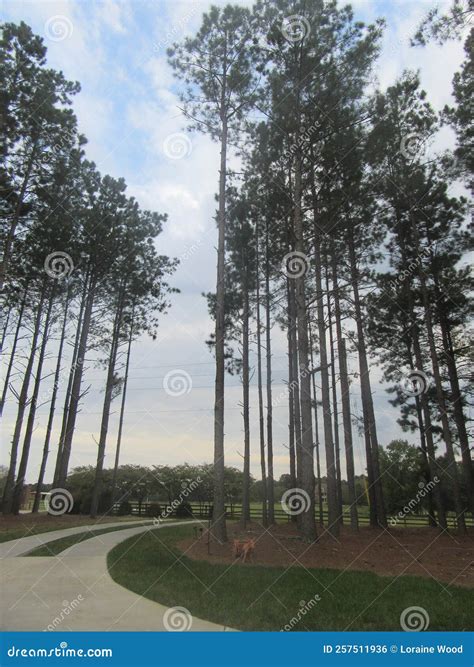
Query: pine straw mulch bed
column 424, row 552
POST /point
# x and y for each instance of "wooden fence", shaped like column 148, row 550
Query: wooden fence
column 202, row 511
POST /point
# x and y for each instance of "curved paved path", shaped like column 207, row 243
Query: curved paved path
column 74, row 591
column 23, row 545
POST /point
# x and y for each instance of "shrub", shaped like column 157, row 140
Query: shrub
column 153, row 510
column 184, row 510
column 105, row 502
column 83, row 502
column 124, row 508
column 76, row 508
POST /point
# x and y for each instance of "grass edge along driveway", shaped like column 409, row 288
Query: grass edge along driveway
column 55, row 547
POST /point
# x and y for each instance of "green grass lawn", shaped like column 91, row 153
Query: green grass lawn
column 248, row 597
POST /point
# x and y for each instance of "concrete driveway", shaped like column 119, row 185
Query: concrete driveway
column 74, row 591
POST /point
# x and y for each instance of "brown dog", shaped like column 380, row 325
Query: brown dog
column 237, row 548
column 247, row 550
column 243, row 550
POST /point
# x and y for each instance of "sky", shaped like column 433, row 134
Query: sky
column 128, row 110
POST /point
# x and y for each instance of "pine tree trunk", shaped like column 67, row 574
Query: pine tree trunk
column 67, row 398
column 270, row 484
column 424, row 449
column 295, row 386
column 457, row 401
column 291, row 405
column 20, row 480
column 333, row 516
column 13, row 351
column 431, row 507
column 122, row 411
column 6, row 322
column 370, row 472
column 439, row 386
column 307, row 517
column 22, row 403
column 426, row 427
column 104, row 426
column 218, row 528
column 345, row 400
column 76, row 386
column 442, row 406
column 334, row 399
column 261, row 421
column 52, row 407
column 435, row 472
column 370, row 425
column 246, row 408
column 458, row 410
column 316, row 436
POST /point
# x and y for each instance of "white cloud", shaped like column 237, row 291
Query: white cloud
column 160, row 73
column 114, row 14
column 437, row 64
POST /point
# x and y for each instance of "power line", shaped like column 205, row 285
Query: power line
column 162, row 377
column 179, row 364
column 156, row 412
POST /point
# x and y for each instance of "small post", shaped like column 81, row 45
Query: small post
column 209, row 535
